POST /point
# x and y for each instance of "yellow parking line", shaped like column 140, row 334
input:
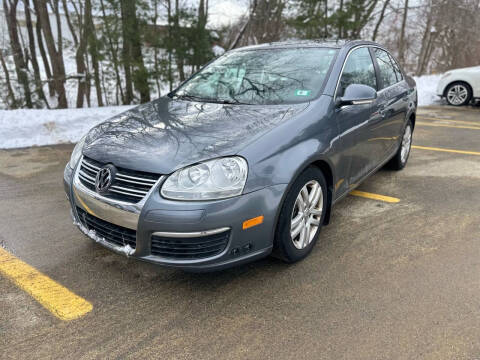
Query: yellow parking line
column 373, row 196
column 446, row 150
column 422, row 123
column 475, row 123
column 60, row 301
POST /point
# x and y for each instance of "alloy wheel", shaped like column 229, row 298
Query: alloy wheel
column 457, row 94
column 406, row 142
column 307, row 214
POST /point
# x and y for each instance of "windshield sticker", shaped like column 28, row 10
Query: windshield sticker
column 302, row 92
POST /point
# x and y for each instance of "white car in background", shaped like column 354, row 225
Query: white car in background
column 460, row 86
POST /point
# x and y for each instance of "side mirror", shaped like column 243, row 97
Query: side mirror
column 357, row 94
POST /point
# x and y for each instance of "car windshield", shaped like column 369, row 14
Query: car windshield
column 263, row 76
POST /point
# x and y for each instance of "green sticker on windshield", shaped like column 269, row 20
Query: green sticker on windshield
column 302, row 92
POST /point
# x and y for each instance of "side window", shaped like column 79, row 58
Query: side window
column 397, row 69
column 387, row 72
column 358, row 70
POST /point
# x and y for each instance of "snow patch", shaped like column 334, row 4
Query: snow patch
column 26, row 127
column 218, row 50
column 427, row 89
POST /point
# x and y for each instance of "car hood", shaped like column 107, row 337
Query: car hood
column 167, row 134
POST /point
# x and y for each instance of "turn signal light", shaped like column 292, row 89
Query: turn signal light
column 252, row 222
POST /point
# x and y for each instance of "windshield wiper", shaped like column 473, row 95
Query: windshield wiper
column 232, row 102
column 216, row 101
column 191, row 97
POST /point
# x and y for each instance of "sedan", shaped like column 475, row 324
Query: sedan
column 244, row 159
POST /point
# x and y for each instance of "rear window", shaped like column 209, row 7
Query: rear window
column 387, row 72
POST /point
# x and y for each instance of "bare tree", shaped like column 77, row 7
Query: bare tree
column 56, row 56
column 401, row 42
column 13, row 101
column 380, row 19
column 10, row 8
column 93, row 49
column 33, row 53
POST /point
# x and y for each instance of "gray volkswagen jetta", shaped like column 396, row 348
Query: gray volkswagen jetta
column 244, row 159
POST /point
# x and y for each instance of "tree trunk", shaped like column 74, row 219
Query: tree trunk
column 340, row 20
column 113, row 52
column 179, row 58
column 55, row 56
column 33, row 52
column 380, row 19
column 132, row 51
column 93, row 49
column 126, row 53
column 43, row 53
column 10, row 8
column 169, row 13
column 11, row 94
column 244, row 26
column 401, row 44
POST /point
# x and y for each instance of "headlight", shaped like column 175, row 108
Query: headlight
column 76, row 153
column 446, row 74
column 213, row 179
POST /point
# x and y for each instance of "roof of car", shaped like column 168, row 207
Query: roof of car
column 336, row 44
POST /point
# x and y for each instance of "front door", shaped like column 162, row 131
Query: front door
column 358, row 124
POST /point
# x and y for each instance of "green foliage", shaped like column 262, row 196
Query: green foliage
column 318, row 19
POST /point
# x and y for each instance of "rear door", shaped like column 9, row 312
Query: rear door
column 392, row 100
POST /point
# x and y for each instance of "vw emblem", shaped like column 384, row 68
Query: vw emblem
column 104, row 178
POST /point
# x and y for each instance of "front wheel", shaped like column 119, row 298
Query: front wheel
column 458, row 94
column 400, row 159
column 301, row 217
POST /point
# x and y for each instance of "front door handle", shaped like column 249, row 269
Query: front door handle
column 381, row 110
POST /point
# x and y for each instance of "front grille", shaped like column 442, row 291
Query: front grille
column 128, row 185
column 189, row 248
column 114, row 234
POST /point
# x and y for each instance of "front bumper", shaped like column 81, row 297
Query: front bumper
column 182, row 220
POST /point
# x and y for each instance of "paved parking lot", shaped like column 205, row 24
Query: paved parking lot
column 387, row 280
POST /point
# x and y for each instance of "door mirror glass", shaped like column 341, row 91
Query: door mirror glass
column 357, row 94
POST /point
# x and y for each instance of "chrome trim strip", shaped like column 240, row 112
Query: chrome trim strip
column 119, row 174
column 126, row 193
column 361, row 102
column 87, row 176
column 143, row 193
column 118, row 178
column 90, row 165
column 87, row 181
column 190, row 234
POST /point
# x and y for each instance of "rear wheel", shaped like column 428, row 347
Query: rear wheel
column 400, row 159
column 458, row 94
column 301, row 217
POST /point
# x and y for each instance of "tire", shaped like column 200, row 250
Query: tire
column 400, row 159
column 292, row 249
column 458, row 93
